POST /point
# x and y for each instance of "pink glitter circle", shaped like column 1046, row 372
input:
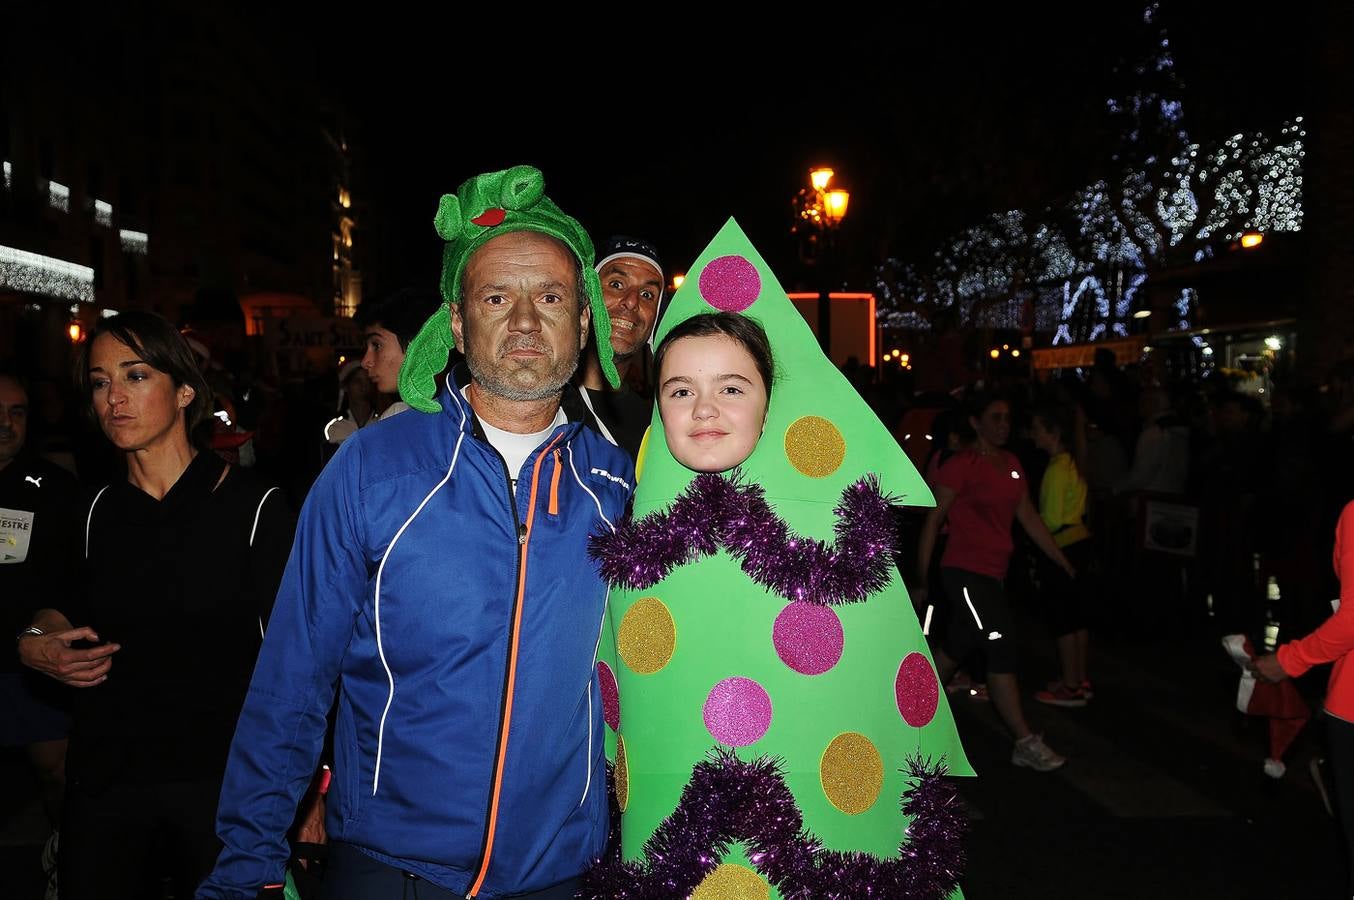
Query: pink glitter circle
column 808, row 637
column 730, row 283
column 737, row 712
column 611, row 696
column 917, row 690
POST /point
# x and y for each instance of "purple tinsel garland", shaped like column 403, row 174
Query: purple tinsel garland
column 716, row 512
column 728, row 800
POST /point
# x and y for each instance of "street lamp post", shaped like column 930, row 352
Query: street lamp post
column 819, row 210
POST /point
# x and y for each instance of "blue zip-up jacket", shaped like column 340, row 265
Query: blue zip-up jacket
column 459, row 626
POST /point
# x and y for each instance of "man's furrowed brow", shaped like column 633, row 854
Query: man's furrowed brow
column 551, row 285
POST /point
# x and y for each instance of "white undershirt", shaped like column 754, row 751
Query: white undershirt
column 515, row 448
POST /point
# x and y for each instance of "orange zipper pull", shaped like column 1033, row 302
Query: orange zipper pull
column 554, row 485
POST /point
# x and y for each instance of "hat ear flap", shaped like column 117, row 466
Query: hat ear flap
column 523, row 187
column 448, row 219
column 601, row 325
column 425, row 358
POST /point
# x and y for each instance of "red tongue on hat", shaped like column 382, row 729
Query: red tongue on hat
column 489, row 218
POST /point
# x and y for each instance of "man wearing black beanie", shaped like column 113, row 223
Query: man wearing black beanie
column 632, row 286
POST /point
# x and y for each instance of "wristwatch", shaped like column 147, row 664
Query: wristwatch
column 31, row 630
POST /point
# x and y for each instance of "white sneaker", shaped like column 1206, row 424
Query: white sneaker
column 1032, row 753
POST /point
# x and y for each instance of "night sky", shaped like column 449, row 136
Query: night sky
column 942, row 116
column 933, row 116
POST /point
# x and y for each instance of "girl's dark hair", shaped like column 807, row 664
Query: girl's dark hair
column 1061, row 418
column 1058, row 418
column 747, row 332
column 158, row 343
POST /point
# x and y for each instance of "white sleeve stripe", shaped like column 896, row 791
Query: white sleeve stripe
column 587, row 785
column 601, row 627
column 253, row 531
column 380, row 645
column 90, row 517
column 597, row 502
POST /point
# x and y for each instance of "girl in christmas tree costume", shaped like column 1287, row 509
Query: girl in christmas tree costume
column 769, row 696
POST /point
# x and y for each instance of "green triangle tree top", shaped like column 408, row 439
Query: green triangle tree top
column 807, row 384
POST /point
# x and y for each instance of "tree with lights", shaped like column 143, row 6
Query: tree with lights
column 1087, row 258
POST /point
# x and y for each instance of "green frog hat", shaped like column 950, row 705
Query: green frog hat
column 483, row 208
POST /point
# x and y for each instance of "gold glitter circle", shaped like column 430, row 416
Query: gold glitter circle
column 622, row 775
column 852, row 773
column 732, row 882
column 647, row 637
column 814, row 446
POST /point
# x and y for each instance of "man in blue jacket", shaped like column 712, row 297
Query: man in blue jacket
column 439, row 583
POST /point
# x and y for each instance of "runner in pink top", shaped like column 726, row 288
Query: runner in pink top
column 981, row 490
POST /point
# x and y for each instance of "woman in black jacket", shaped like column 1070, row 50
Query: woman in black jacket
column 181, row 562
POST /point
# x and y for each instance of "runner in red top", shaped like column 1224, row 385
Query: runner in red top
column 1331, row 642
column 981, row 490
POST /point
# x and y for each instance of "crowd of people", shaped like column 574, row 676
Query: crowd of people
column 205, row 674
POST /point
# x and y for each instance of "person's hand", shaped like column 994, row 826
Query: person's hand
column 52, row 654
column 310, row 830
column 1268, row 668
column 1067, row 567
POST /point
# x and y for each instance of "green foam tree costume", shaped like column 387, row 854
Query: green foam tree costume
column 708, row 657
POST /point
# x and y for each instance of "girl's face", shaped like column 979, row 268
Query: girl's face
column 1043, row 438
column 712, row 402
column 994, row 425
column 138, row 406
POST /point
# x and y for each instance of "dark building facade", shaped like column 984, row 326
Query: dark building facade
column 191, row 158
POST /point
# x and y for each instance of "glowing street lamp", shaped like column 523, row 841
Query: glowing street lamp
column 820, row 208
column 819, row 211
column 834, row 206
